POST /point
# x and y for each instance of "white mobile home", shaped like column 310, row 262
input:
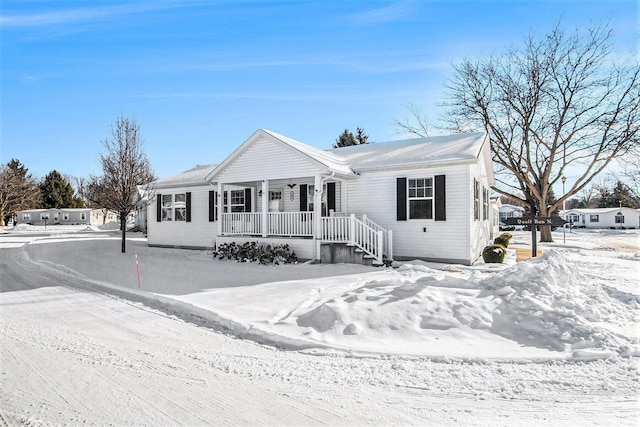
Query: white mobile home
column 603, row 218
column 54, row 216
column 424, row 198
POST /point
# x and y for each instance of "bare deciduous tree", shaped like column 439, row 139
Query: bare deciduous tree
column 631, row 172
column 18, row 189
column 416, row 125
column 125, row 167
column 558, row 101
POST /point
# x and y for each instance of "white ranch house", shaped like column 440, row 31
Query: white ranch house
column 510, row 211
column 54, row 216
column 425, row 198
column 621, row 217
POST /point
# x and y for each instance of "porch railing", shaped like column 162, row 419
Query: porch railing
column 242, row 223
column 288, row 224
column 360, row 232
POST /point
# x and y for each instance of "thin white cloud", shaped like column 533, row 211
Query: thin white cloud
column 73, row 16
column 390, row 13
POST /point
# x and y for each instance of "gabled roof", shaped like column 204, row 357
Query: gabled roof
column 436, row 149
column 193, row 176
column 330, row 161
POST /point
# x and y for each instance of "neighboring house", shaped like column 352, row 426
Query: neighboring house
column 54, row 216
column 103, row 216
column 603, row 218
column 424, row 198
column 510, row 211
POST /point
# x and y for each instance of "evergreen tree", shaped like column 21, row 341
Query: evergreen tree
column 361, row 137
column 58, row 193
column 347, row 138
column 619, row 195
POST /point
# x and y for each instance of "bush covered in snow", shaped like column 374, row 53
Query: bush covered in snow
column 254, row 252
column 503, row 239
column 494, row 253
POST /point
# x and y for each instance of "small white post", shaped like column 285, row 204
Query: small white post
column 138, row 270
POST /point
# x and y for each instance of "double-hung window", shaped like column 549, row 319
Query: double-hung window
column 619, row 218
column 485, row 203
column 167, row 207
column 174, row 207
column 420, row 192
column 594, row 218
column 237, row 200
column 476, row 199
column 180, row 207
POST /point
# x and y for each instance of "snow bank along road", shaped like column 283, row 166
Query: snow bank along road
column 72, row 355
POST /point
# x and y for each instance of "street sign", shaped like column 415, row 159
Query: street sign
column 554, row 221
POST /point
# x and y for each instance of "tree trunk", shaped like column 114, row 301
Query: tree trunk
column 123, row 226
column 545, row 232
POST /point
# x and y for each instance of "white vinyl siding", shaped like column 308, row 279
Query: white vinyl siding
column 265, row 159
column 197, row 233
column 442, row 239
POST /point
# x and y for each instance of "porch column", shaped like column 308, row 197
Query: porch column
column 317, row 207
column 220, row 202
column 344, row 207
column 265, row 207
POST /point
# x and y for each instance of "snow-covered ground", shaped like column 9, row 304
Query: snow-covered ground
column 553, row 340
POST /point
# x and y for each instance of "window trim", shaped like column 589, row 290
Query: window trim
column 170, row 207
column 180, row 207
column 422, row 193
column 236, row 200
column 485, row 203
column 476, row 200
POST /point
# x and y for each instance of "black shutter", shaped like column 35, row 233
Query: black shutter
column 401, row 199
column 303, row 198
column 247, row 200
column 212, row 206
column 331, row 197
column 188, row 218
column 441, row 198
column 159, row 208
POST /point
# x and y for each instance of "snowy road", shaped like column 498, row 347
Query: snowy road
column 82, row 358
column 71, row 354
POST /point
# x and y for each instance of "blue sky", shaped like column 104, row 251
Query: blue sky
column 201, row 76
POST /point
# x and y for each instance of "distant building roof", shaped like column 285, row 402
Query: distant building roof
column 193, row 176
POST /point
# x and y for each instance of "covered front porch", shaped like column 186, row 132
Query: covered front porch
column 259, row 211
column 273, row 187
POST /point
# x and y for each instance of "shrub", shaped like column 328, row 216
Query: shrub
column 503, row 239
column 254, row 252
column 494, row 254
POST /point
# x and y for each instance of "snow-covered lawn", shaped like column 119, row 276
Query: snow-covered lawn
column 556, row 335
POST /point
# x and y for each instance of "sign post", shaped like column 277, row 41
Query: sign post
column 534, row 222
